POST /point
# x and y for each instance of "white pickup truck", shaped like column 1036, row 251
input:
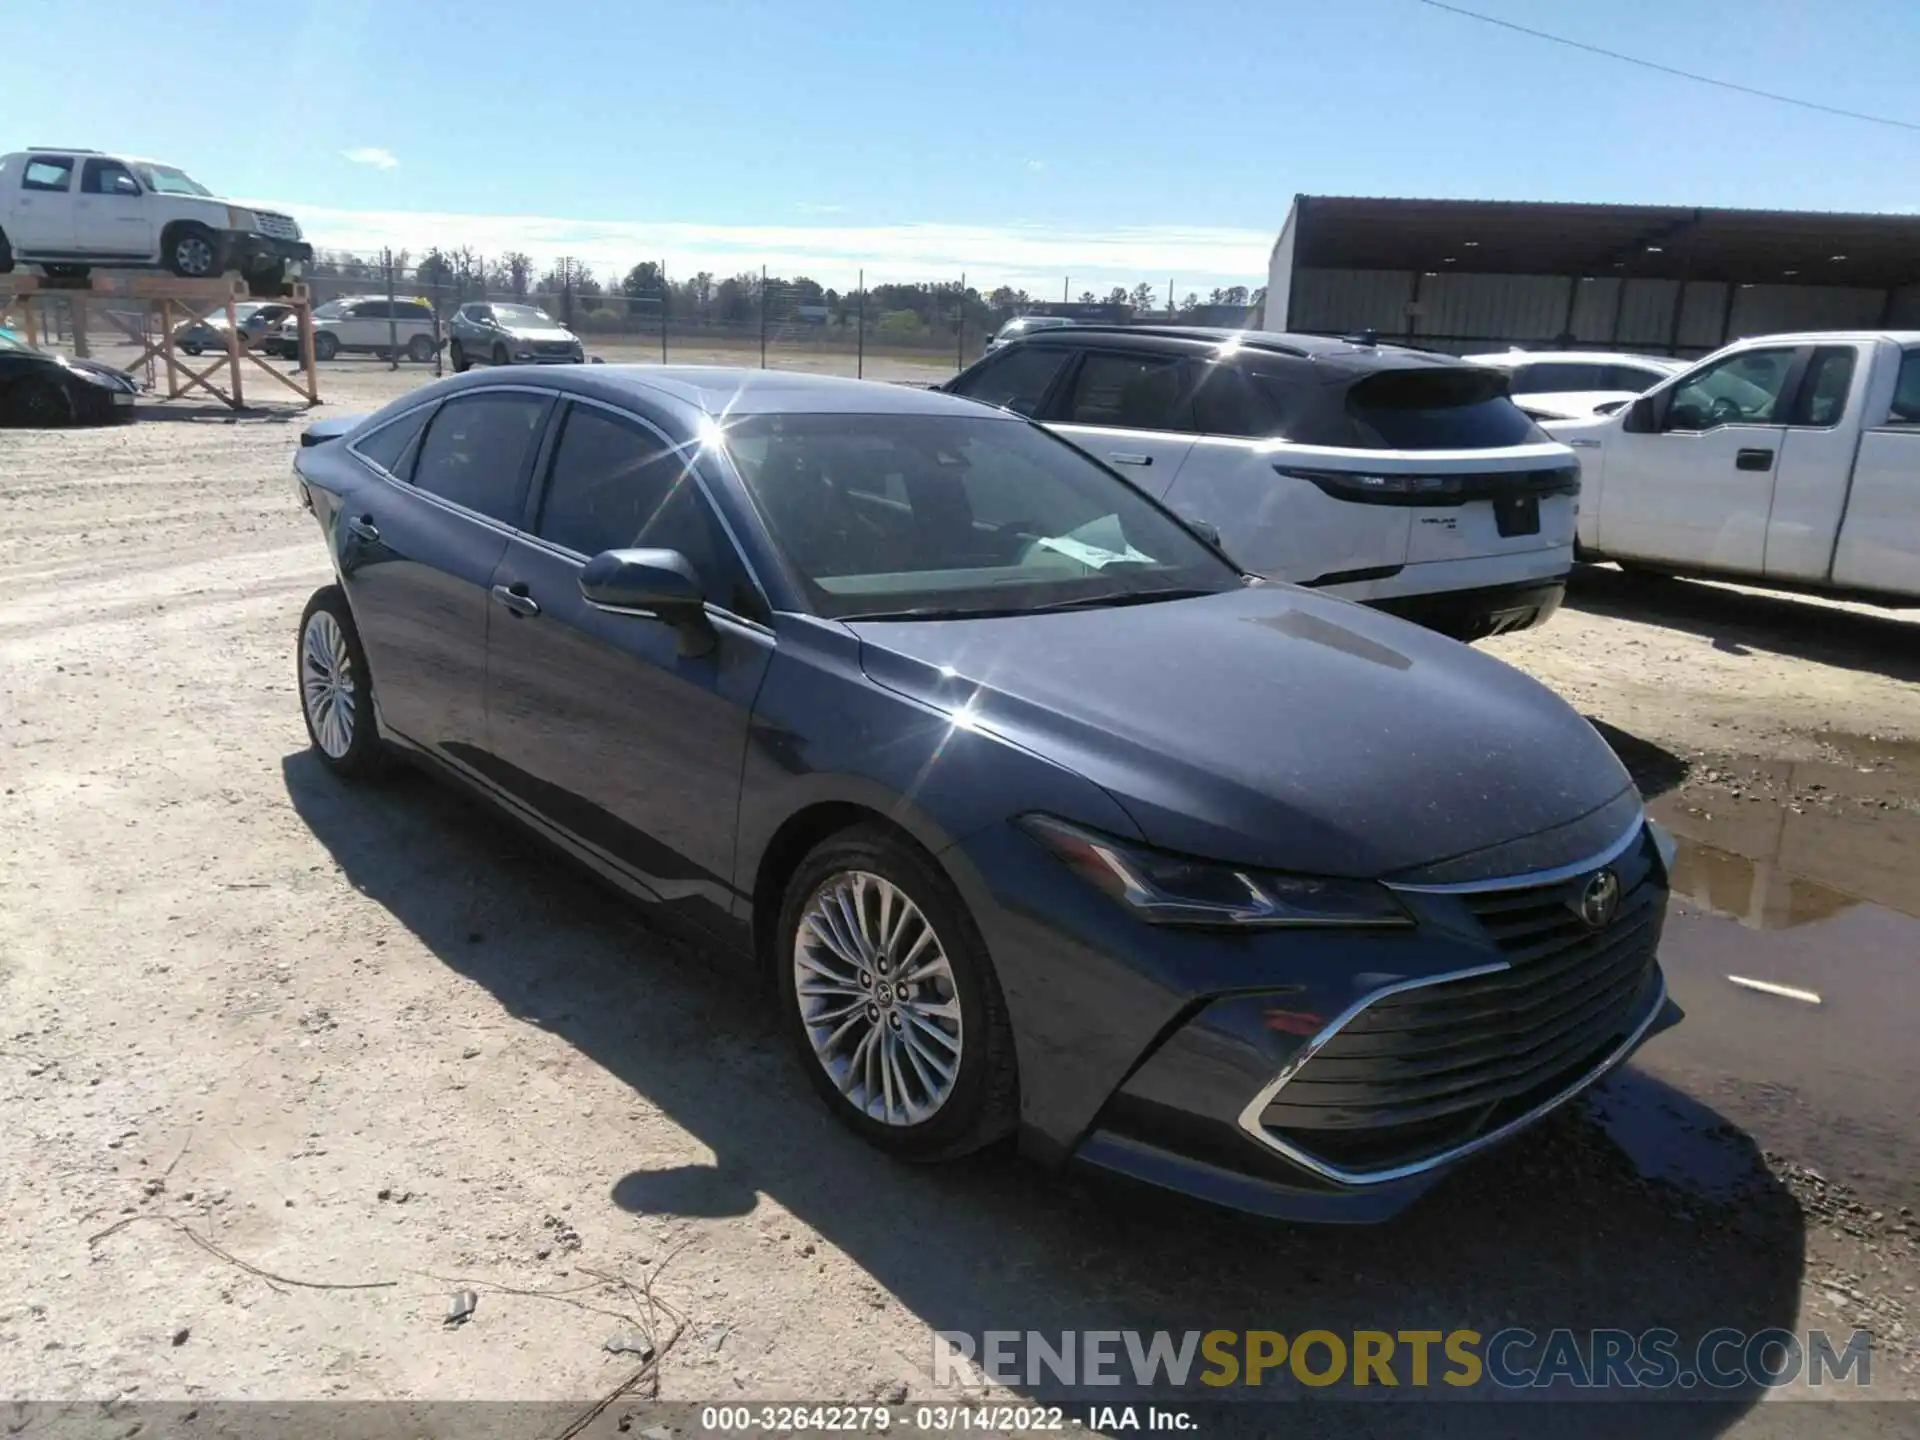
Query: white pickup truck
column 1789, row 460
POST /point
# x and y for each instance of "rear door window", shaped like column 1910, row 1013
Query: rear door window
column 1225, row 402
column 1131, row 392
column 1823, row 394
column 1437, row 409
column 1906, row 392
column 477, row 451
column 47, row 172
column 1017, row 379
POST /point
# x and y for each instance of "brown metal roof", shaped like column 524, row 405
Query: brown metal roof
column 1660, row 241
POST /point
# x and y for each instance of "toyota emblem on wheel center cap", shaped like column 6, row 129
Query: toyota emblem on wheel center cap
column 1599, row 900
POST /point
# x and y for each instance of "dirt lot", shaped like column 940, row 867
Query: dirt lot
column 283, row 1066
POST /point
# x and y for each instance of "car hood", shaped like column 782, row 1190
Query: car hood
column 1272, row 726
column 118, row 378
column 545, row 334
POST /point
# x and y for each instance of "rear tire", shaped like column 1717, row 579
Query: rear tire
column 420, row 349
column 191, row 349
column 6, row 254
column 458, row 356
column 902, row 1012
column 336, row 689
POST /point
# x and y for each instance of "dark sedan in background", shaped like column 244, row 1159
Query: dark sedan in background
column 41, row 388
column 1040, row 816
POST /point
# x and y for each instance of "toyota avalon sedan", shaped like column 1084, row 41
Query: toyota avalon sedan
column 1038, row 815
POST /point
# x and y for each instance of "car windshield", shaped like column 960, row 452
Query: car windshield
column 936, row 516
column 12, row 342
column 521, row 315
column 166, row 180
column 332, row 310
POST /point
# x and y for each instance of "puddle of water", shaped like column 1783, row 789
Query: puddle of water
column 1669, row 1136
column 1789, row 844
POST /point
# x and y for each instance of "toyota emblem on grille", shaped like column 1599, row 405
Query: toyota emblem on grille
column 1599, row 900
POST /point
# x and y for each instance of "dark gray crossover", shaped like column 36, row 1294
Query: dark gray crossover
column 1040, row 817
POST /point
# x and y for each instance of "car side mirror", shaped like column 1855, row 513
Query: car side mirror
column 651, row 584
column 1642, row 417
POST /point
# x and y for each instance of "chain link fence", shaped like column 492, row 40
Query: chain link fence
column 649, row 312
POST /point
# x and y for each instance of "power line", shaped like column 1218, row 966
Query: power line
column 1669, row 69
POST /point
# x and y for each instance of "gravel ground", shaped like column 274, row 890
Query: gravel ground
column 285, row 1067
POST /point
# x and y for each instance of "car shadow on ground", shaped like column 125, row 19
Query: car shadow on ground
column 1654, row 768
column 1556, row 1229
column 1736, row 620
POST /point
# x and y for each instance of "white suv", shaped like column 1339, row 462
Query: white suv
column 1402, row 479
column 1574, row 384
column 362, row 324
column 68, row 210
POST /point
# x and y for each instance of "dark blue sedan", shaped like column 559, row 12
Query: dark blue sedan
column 1040, row 816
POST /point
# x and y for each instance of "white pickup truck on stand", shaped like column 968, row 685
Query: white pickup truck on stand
column 1790, row 461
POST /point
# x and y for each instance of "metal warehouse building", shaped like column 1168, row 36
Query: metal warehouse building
column 1466, row 275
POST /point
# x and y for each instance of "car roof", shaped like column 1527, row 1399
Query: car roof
column 1577, row 357
column 723, row 390
column 1210, row 340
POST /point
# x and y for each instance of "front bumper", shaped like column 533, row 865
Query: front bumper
column 1318, row 1075
column 248, row 251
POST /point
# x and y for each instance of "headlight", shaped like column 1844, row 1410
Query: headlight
column 1167, row 889
column 238, row 219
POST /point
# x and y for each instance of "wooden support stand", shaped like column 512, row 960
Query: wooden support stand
column 172, row 302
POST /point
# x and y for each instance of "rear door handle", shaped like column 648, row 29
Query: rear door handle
column 1753, row 460
column 1129, row 459
column 363, row 526
column 516, row 599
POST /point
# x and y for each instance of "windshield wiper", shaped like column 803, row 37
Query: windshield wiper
column 1080, row 602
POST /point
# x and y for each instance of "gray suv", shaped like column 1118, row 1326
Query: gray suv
column 498, row 334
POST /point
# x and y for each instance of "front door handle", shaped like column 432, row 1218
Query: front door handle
column 1129, row 459
column 363, row 526
column 1753, row 460
column 516, row 599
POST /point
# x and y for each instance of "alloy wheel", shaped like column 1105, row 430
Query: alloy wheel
column 193, row 256
column 327, row 686
column 877, row 998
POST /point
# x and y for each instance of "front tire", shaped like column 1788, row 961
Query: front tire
column 336, row 689
column 499, row 354
column 193, row 252
column 192, row 349
column 892, row 1001
column 269, row 280
column 457, row 354
column 325, row 346
column 38, row 403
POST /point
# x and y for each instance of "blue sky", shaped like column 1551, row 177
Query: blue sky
column 1110, row 140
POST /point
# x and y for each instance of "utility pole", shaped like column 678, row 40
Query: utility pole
column 860, row 331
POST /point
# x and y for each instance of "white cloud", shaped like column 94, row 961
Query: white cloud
column 808, row 207
column 371, row 155
column 1036, row 165
column 1033, row 257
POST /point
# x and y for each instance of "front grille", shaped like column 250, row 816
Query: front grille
column 1424, row 1070
column 280, row 227
column 554, row 347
